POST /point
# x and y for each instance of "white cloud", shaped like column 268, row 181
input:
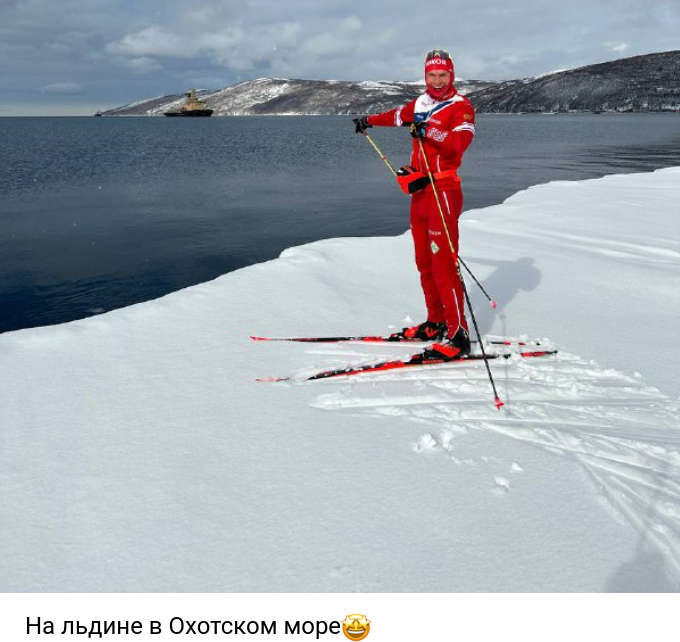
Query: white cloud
column 63, row 88
column 217, row 34
column 307, row 46
column 617, row 47
column 153, row 41
column 142, row 64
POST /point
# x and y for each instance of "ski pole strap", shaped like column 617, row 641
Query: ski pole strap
column 412, row 181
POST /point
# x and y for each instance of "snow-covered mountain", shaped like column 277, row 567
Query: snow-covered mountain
column 641, row 83
column 638, row 84
column 280, row 96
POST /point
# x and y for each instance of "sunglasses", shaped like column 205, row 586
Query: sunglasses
column 438, row 53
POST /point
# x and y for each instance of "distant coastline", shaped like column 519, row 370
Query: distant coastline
column 640, row 84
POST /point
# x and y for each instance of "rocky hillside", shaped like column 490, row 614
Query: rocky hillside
column 637, row 84
column 276, row 96
column 640, row 83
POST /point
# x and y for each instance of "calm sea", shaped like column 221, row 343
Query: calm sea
column 99, row 213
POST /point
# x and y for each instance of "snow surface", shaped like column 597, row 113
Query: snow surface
column 140, row 454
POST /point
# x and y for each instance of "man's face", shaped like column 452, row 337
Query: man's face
column 437, row 79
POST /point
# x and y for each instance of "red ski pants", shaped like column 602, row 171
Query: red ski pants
column 439, row 277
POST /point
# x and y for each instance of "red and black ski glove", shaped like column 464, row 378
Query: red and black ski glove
column 417, row 130
column 362, row 124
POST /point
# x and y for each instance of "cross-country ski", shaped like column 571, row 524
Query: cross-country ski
column 389, row 339
column 412, row 362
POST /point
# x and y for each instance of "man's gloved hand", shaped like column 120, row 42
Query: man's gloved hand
column 362, row 124
column 417, row 130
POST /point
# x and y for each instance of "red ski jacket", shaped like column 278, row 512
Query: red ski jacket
column 450, row 130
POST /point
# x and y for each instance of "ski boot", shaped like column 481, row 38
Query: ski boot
column 453, row 348
column 426, row 331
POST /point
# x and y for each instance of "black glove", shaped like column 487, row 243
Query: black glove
column 417, row 130
column 362, row 124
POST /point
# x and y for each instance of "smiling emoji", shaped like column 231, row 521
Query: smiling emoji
column 356, row 627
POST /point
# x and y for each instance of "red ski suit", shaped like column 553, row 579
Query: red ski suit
column 450, row 130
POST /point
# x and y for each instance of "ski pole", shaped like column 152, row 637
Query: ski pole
column 370, row 140
column 486, row 294
column 497, row 401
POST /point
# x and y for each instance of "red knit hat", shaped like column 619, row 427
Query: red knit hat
column 439, row 60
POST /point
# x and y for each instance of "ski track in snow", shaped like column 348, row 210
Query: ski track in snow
column 625, row 434
column 610, row 248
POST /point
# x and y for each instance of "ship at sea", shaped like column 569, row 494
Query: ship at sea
column 193, row 106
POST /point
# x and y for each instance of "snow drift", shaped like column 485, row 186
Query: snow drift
column 139, row 453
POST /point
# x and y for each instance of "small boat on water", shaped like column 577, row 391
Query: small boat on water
column 193, row 106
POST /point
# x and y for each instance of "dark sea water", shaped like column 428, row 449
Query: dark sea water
column 99, row 213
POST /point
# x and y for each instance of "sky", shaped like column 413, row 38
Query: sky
column 77, row 56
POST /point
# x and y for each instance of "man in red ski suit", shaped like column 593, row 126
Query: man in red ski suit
column 442, row 121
